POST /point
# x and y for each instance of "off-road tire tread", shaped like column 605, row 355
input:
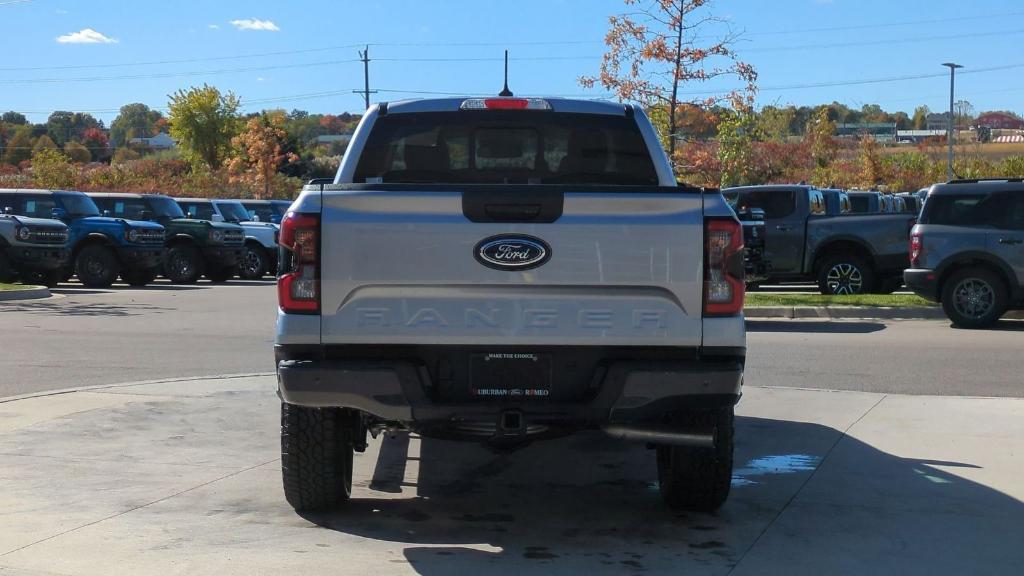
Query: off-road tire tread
column 316, row 457
column 113, row 267
column 698, row 479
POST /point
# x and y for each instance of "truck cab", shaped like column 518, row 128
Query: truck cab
column 193, row 247
column 260, row 250
column 102, row 248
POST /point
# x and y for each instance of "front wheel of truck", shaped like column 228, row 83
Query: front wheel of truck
column 97, row 266
column 698, row 479
column 255, row 263
column 316, row 456
column 183, row 264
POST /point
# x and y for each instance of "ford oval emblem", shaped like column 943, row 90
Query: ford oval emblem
column 512, row 252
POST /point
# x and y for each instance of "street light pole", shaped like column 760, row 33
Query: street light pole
column 949, row 135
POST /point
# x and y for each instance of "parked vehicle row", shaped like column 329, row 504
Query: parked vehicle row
column 134, row 237
column 813, row 235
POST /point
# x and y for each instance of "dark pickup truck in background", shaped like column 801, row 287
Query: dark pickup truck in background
column 844, row 254
column 756, row 266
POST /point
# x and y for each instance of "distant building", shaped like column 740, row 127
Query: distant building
column 881, row 131
column 1000, row 121
column 937, row 121
column 919, row 135
column 161, row 141
column 328, row 139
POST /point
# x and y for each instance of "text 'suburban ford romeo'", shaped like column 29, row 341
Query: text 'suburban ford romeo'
column 503, row 270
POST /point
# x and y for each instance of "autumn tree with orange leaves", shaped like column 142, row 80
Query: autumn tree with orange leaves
column 662, row 47
column 260, row 151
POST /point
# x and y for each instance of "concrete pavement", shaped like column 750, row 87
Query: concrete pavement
column 183, row 478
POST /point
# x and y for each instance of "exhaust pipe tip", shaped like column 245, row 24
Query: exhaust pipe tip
column 662, row 436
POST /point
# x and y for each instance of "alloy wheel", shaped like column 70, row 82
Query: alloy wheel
column 845, row 279
column 973, row 298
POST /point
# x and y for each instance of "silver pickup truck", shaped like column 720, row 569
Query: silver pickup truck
column 505, row 270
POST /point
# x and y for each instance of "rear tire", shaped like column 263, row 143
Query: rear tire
column 698, row 479
column 254, row 263
column 316, row 456
column 845, row 274
column 974, row 298
column 97, row 266
column 183, row 264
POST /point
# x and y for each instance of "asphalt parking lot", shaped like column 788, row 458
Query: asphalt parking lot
column 87, row 337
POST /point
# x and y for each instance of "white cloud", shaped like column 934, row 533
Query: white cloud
column 255, row 24
column 260, row 79
column 86, row 36
column 213, row 26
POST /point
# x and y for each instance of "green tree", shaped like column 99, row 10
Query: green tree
column 820, row 138
column 63, row 126
column 920, row 120
column 735, row 147
column 51, row 170
column 204, row 121
column 773, row 123
column 15, row 118
column 19, row 147
column 77, row 153
column 44, row 143
column 134, row 121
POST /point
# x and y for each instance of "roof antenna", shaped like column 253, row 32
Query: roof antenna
column 505, row 91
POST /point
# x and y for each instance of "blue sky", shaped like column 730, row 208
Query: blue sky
column 98, row 55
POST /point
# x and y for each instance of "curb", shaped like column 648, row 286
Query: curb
column 845, row 312
column 28, row 293
column 858, row 312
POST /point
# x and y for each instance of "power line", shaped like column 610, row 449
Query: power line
column 883, row 42
column 885, row 24
column 61, row 80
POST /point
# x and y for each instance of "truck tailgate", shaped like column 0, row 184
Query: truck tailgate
column 625, row 268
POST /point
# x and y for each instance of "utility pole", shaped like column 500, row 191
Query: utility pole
column 949, row 135
column 364, row 55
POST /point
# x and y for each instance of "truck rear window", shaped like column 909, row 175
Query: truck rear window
column 505, row 147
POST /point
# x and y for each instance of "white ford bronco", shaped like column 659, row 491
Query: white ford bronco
column 505, row 270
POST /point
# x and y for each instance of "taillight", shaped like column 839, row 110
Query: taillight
column 505, row 104
column 298, row 284
column 916, row 245
column 723, row 267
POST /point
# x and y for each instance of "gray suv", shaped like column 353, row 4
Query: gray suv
column 967, row 250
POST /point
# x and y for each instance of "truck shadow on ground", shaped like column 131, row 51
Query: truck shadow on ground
column 815, row 326
column 588, row 504
column 1003, row 325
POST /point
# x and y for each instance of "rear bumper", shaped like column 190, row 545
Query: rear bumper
column 403, row 391
column 922, row 282
column 38, row 257
column 223, row 255
column 140, row 257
